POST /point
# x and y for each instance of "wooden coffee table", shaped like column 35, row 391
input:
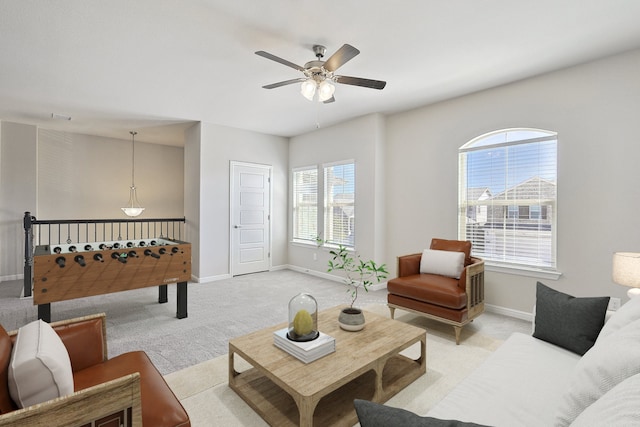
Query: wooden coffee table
column 366, row 365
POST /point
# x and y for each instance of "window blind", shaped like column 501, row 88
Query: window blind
column 508, row 197
column 305, row 204
column 339, row 204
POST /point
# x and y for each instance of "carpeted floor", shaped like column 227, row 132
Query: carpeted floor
column 204, row 392
column 192, row 352
column 217, row 312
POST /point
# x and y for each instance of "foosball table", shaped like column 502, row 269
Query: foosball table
column 67, row 271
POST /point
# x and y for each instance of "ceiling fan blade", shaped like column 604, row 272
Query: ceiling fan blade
column 278, row 59
column 284, row 83
column 358, row 81
column 330, row 100
column 340, row 57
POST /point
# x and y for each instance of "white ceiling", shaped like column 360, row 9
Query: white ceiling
column 155, row 66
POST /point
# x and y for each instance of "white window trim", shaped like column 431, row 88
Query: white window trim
column 522, row 270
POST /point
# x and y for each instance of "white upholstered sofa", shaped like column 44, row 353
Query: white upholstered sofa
column 529, row 381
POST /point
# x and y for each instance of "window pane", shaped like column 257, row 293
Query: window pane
column 339, row 203
column 509, row 136
column 305, row 204
column 508, row 197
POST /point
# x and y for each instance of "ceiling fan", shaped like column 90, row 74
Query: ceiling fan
column 319, row 75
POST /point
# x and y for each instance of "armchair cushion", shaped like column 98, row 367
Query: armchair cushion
column 569, row 322
column 454, row 245
column 160, row 406
column 40, row 368
column 437, row 290
column 443, row 263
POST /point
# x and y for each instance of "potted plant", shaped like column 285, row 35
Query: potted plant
column 357, row 274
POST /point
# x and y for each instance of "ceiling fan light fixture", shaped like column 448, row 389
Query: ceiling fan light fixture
column 308, row 88
column 320, row 76
column 326, row 90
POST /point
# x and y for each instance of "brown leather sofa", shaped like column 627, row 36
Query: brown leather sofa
column 107, row 391
column 445, row 299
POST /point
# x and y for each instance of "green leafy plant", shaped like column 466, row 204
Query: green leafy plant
column 358, row 273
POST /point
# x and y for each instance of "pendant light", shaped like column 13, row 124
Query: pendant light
column 133, row 207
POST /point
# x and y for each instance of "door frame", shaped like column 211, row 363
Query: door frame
column 232, row 165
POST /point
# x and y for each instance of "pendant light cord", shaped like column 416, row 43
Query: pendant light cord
column 133, row 156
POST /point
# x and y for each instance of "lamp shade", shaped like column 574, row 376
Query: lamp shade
column 326, row 90
column 308, row 89
column 626, row 270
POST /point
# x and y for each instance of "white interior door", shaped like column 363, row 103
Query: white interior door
column 250, row 218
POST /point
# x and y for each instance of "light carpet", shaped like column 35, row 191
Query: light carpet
column 218, row 311
column 204, row 392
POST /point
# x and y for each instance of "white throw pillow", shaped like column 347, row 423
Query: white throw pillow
column 619, row 407
column 627, row 313
column 443, row 263
column 608, row 363
column 40, row 368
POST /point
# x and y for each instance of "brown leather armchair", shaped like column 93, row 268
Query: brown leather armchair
column 107, row 391
column 445, row 299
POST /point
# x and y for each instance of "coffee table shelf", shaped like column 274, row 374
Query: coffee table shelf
column 287, row 392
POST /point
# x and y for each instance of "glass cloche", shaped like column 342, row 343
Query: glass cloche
column 303, row 318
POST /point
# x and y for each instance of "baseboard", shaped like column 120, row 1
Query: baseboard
column 210, row 278
column 315, row 273
column 229, row 276
column 11, row 277
column 376, row 287
column 523, row 315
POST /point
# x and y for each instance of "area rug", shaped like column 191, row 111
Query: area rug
column 204, row 392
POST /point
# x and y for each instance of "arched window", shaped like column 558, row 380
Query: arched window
column 507, row 197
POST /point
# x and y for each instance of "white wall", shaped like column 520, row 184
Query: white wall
column 83, row 176
column 362, row 140
column 219, row 145
column 18, row 175
column 594, row 108
column 192, row 194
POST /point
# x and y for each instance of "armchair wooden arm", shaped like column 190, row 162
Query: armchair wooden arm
column 474, row 287
column 84, row 406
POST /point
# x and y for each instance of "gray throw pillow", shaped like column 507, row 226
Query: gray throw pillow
column 566, row 321
column 372, row 414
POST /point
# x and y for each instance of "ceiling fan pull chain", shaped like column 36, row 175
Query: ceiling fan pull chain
column 317, row 115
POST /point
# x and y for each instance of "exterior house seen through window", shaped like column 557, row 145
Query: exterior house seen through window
column 335, row 214
column 507, row 197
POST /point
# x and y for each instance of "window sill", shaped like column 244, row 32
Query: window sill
column 304, row 244
column 523, row 271
column 325, row 246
